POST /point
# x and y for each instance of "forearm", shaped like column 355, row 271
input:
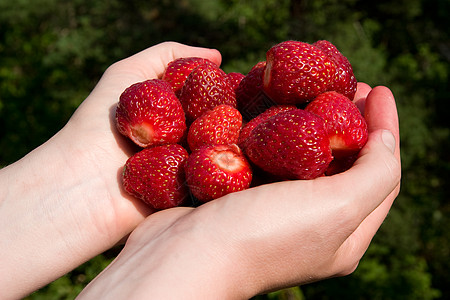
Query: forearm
column 46, row 229
column 173, row 255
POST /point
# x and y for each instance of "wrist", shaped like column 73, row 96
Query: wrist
column 172, row 255
column 54, row 215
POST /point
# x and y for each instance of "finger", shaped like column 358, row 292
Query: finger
column 354, row 247
column 151, row 63
column 179, row 50
column 362, row 91
column 378, row 167
column 381, row 113
column 380, row 104
column 382, row 119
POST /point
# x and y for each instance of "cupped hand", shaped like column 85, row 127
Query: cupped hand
column 96, row 142
column 62, row 203
column 267, row 237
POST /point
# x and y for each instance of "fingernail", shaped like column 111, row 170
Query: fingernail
column 389, row 140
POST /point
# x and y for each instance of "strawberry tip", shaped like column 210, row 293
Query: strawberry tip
column 143, row 134
column 228, row 158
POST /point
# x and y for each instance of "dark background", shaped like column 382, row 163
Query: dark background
column 52, row 53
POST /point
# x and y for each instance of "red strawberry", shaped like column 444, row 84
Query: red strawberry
column 345, row 81
column 296, row 72
column 156, row 176
column 268, row 113
column 179, row 69
column 149, row 113
column 291, row 145
column 206, row 87
column 221, row 125
column 251, row 100
column 214, row 171
column 235, row 79
column 347, row 128
column 251, row 84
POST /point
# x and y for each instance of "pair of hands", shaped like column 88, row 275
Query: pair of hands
column 245, row 243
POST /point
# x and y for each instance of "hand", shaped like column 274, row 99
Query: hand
column 62, row 204
column 268, row 237
column 94, row 125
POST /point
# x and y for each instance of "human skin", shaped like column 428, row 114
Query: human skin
column 63, row 204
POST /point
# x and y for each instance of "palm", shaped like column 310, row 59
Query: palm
column 106, row 149
column 336, row 224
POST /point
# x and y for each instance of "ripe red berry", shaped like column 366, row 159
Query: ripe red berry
column 179, row 69
column 214, row 171
column 156, row 176
column 235, row 79
column 345, row 81
column 279, row 141
column 291, row 145
column 346, row 127
column 206, row 87
column 221, row 125
column 149, row 113
column 251, row 100
column 262, row 117
column 296, row 72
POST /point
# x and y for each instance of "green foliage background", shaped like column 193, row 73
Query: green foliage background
column 52, row 53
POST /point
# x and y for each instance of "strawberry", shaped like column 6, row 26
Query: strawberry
column 291, row 145
column 251, row 100
column 206, row 87
column 251, row 84
column 345, row 81
column 235, row 79
column 268, row 113
column 346, row 127
column 179, row 69
column 221, row 125
column 149, row 113
column 296, row 72
column 156, row 176
column 217, row 170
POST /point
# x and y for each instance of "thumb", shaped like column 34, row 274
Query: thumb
column 376, row 174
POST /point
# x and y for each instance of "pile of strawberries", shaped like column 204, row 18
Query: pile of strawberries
column 206, row 133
